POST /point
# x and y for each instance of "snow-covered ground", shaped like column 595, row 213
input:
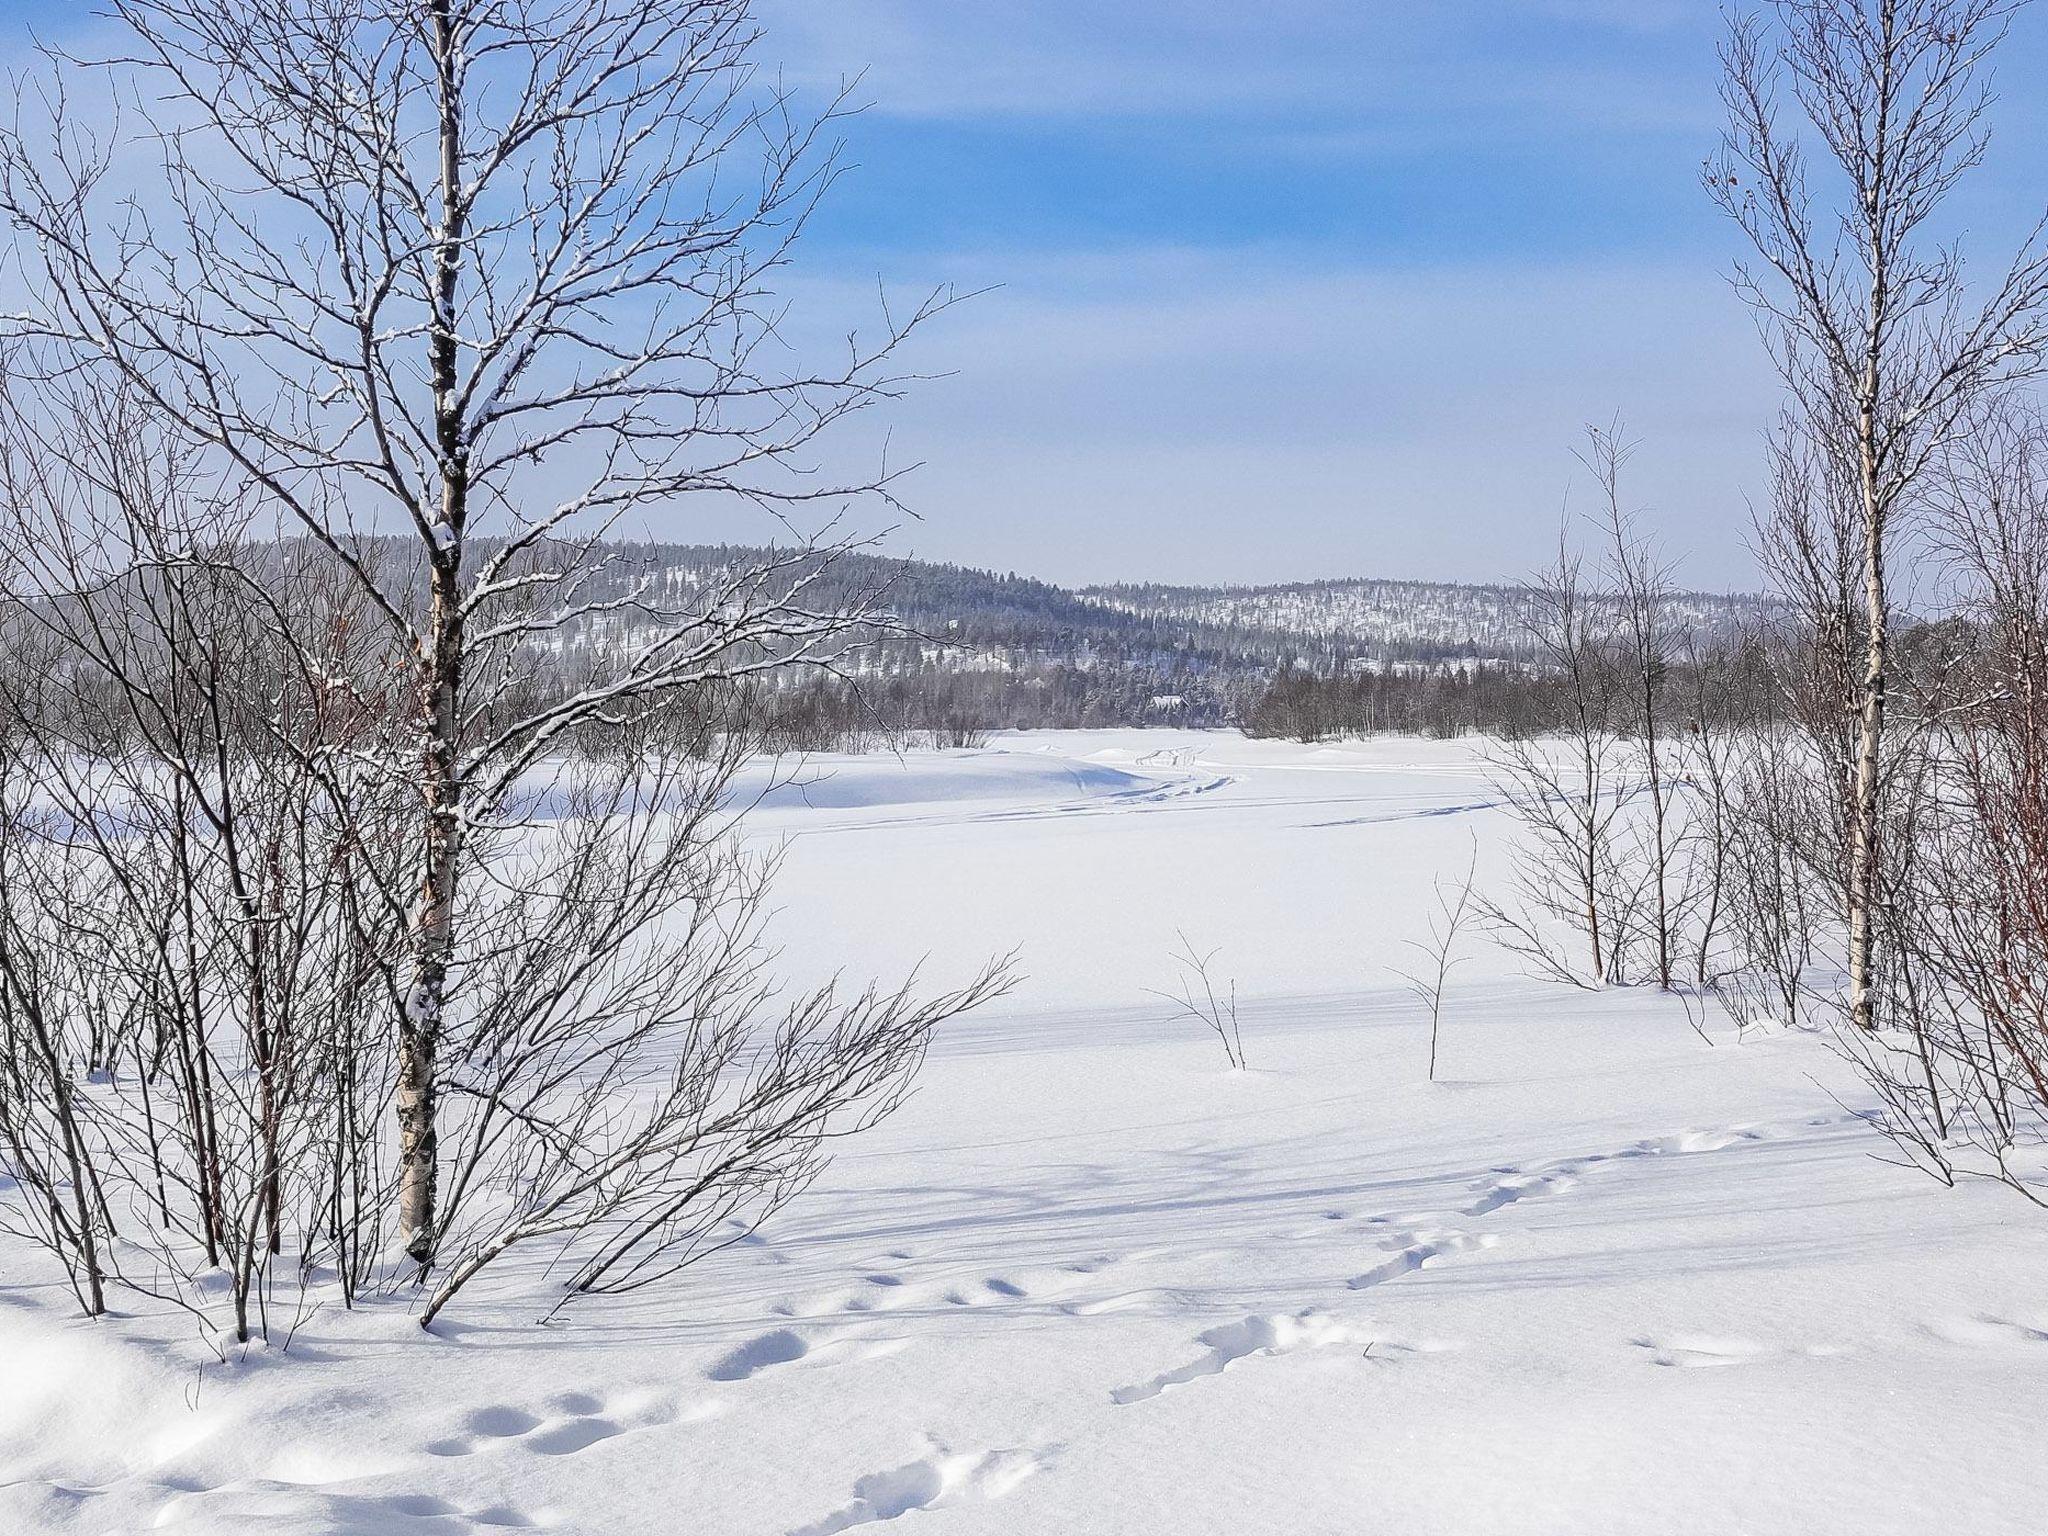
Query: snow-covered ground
column 1600, row 1279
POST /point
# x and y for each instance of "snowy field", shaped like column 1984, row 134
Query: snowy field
column 1600, row 1279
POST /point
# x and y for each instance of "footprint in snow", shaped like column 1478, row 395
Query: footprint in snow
column 1695, row 1353
column 1555, row 1178
column 572, row 1422
column 1259, row 1337
column 782, row 1347
column 1422, row 1251
column 1518, row 1186
column 1685, row 1142
column 1032, row 1285
column 786, row 1347
column 263, row 1506
column 873, row 1293
column 1122, row 1302
column 1986, row 1328
column 573, row 1435
column 885, row 1290
column 503, row 1517
column 934, row 1482
column 501, row 1422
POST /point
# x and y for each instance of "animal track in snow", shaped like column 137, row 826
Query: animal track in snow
column 1032, row 1284
column 1119, row 1303
column 1423, row 1250
column 1510, row 1185
column 1519, row 1186
column 1705, row 1352
column 1254, row 1336
column 262, row 1505
column 574, row 1422
column 1985, row 1328
column 786, row 1346
column 1513, row 1184
column 886, row 1291
column 421, row 1506
column 781, row 1347
column 502, row 1517
column 1695, row 1353
column 931, row 1483
column 1696, row 1141
column 572, row 1435
column 873, row 1293
column 501, row 1422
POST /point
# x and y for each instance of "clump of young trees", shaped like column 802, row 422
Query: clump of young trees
column 1840, row 821
column 1442, row 700
column 1907, row 433
column 324, row 963
column 1620, row 785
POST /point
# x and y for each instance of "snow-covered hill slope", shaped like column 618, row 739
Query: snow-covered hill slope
column 1398, row 620
column 1601, row 1279
column 982, row 618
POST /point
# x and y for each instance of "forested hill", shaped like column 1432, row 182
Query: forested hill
column 1002, row 649
column 1394, row 621
column 987, row 618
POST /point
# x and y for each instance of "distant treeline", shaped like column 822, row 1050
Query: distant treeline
column 956, row 653
column 1496, row 699
column 1722, row 685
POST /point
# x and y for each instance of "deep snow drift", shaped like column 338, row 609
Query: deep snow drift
column 1600, row 1279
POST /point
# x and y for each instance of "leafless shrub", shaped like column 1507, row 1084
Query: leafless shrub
column 1196, row 998
column 190, row 957
column 1774, row 913
column 1457, row 910
column 624, row 1084
column 1963, row 1074
column 1566, row 790
column 1645, row 643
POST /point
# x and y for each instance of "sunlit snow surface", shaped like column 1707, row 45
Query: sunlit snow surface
column 1600, row 1279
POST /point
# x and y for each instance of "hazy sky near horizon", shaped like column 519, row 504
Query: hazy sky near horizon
column 1318, row 288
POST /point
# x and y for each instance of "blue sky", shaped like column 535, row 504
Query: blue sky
column 1352, row 129
column 1316, row 286
column 1308, row 288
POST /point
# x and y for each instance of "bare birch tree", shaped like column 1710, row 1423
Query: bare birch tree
column 203, row 928
column 187, row 823
column 1970, row 1074
column 1645, row 642
column 1875, row 330
column 495, row 273
column 1568, row 789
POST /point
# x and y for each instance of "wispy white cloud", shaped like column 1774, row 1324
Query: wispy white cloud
column 1358, row 61
column 1193, row 415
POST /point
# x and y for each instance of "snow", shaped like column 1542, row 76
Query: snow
column 1440, row 618
column 934, row 780
column 1603, row 1278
